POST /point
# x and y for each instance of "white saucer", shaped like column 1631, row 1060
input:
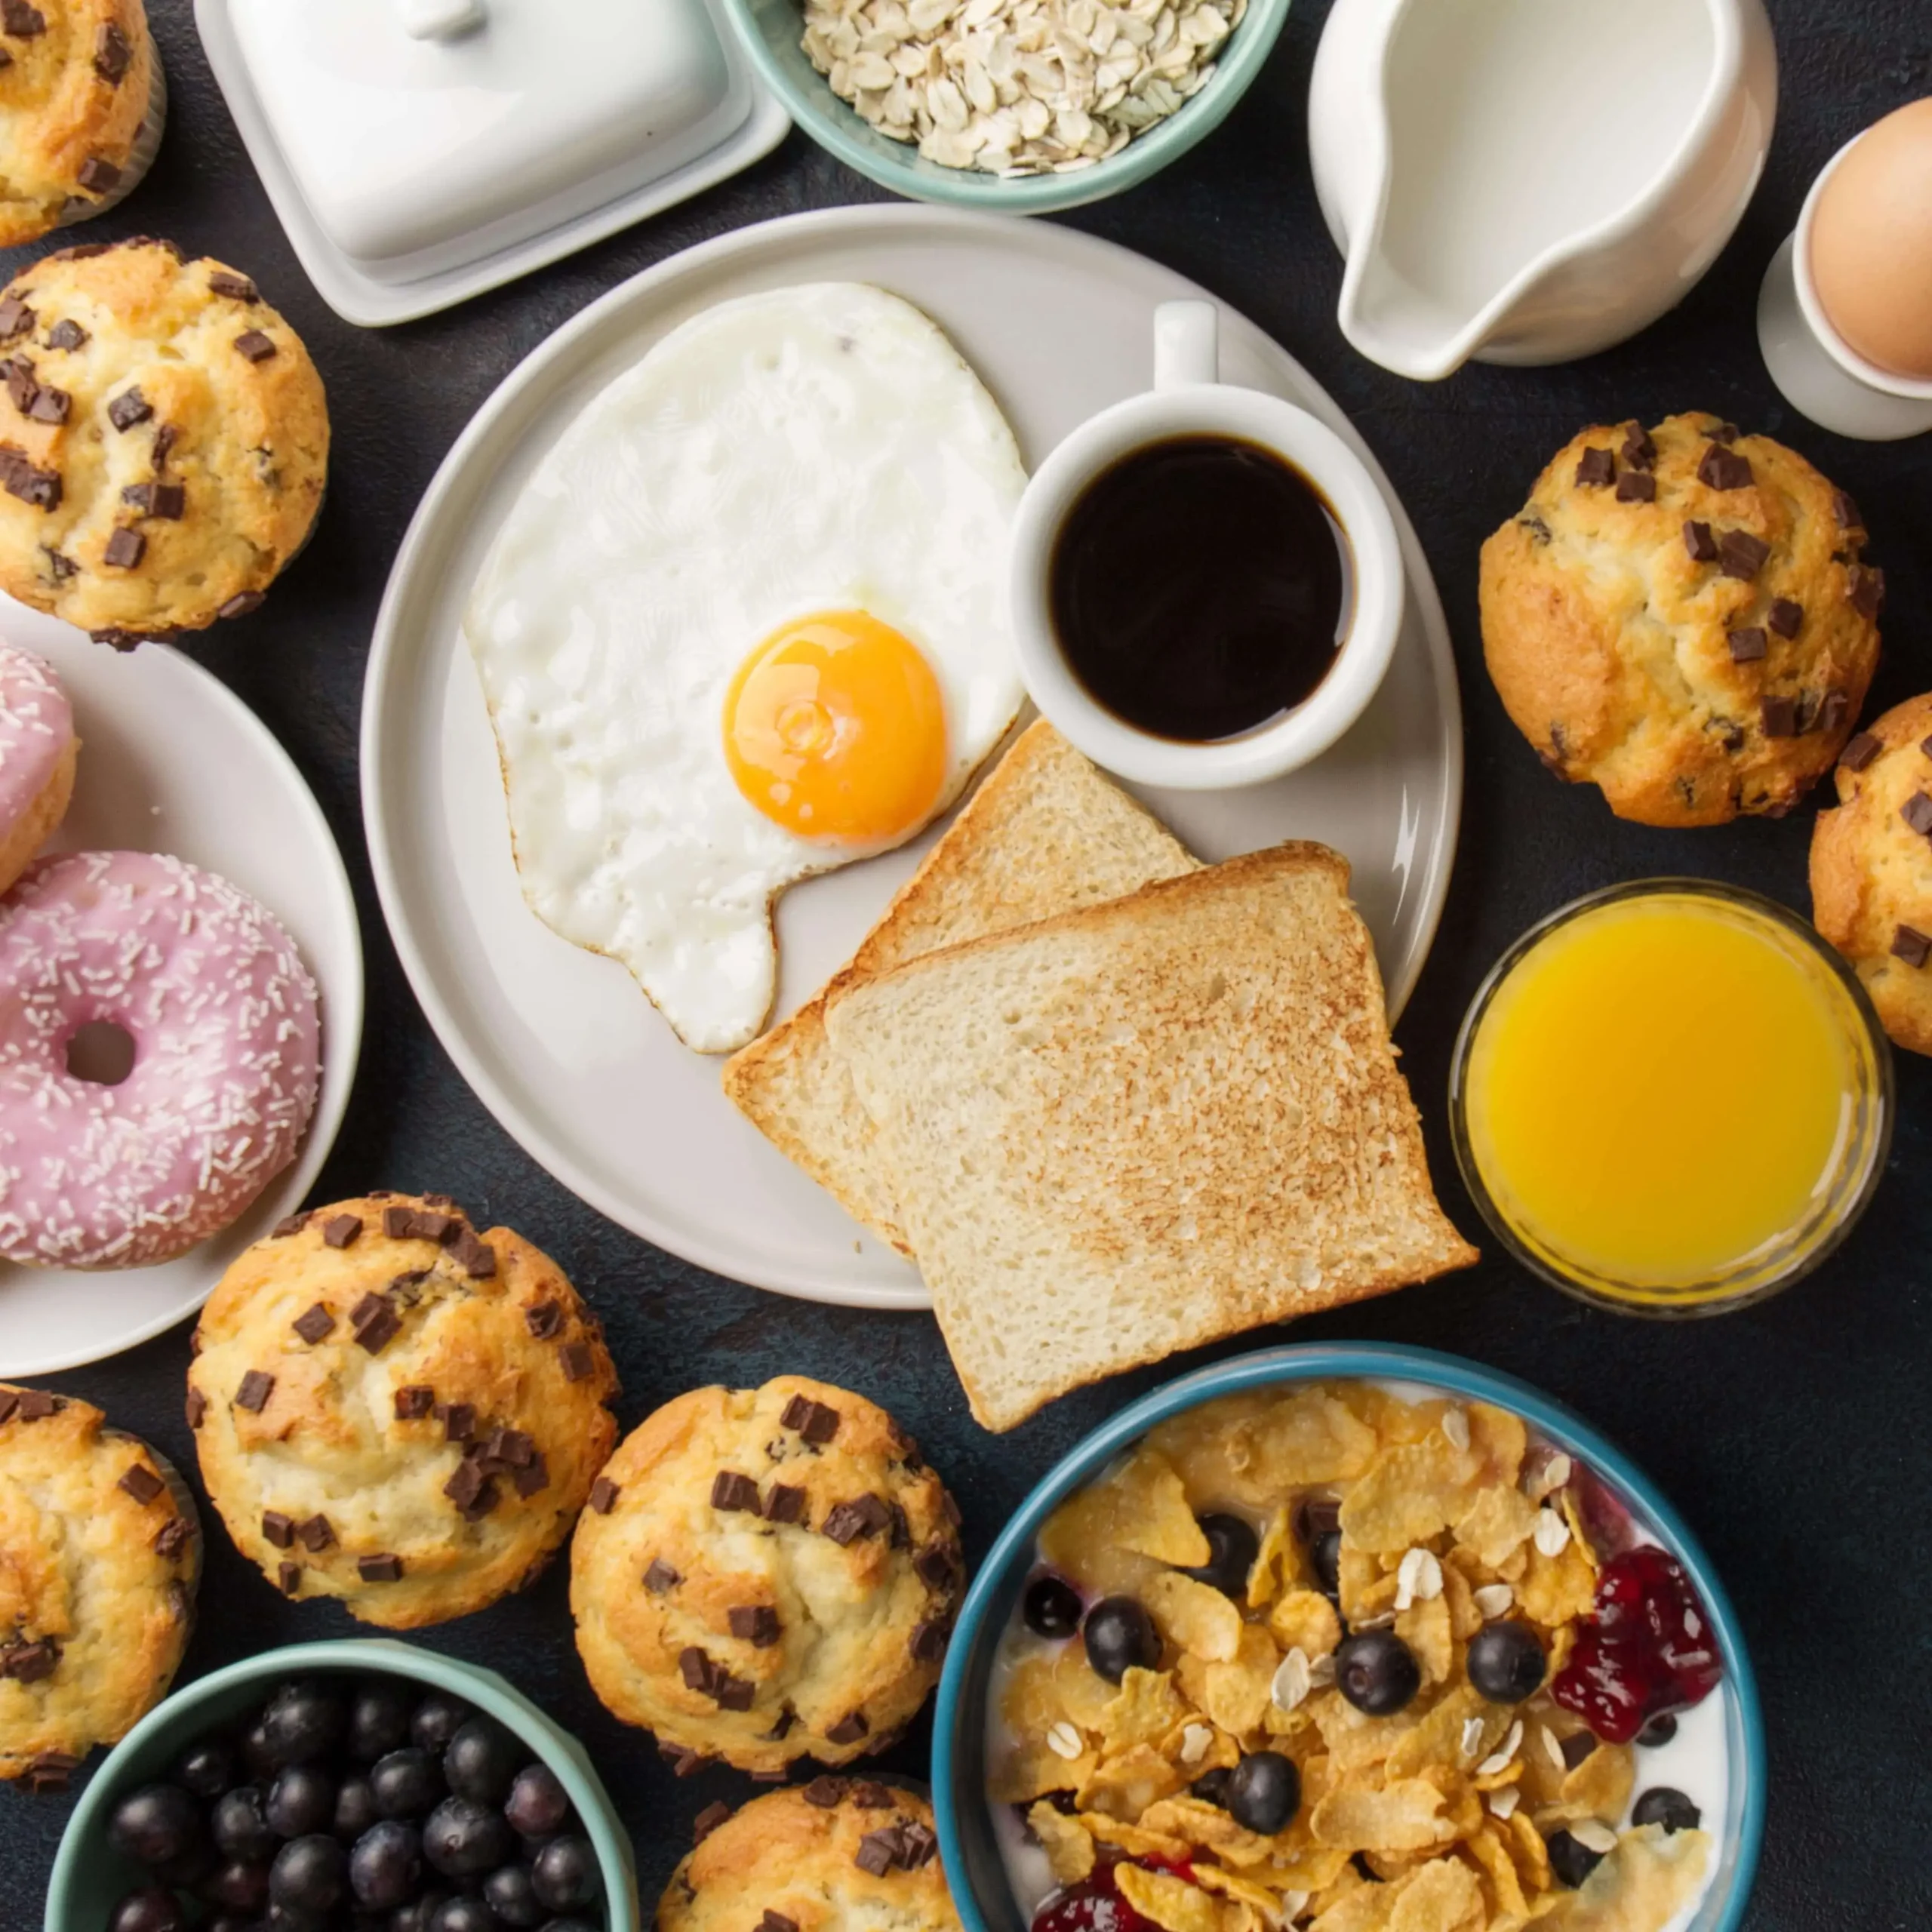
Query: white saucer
column 171, row 760
column 560, row 1045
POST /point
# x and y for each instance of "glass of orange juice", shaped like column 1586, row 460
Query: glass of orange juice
column 1671, row 1098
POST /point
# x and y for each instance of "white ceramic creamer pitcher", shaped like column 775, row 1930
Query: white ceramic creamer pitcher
column 1527, row 181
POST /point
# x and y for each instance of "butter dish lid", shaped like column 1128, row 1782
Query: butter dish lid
column 419, row 151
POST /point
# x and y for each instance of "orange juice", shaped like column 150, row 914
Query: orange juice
column 1661, row 1093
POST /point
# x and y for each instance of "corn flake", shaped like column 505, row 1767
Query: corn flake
column 1406, row 1816
column 1644, row 1884
column 1305, row 1620
column 1194, row 1616
column 1147, row 1708
column 1170, row 1902
column 1067, row 1844
column 1442, row 1895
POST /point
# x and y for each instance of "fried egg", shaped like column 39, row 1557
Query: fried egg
column 746, row 623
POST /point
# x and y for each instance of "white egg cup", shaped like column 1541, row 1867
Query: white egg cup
column 1188, row 399
column 1819, row 373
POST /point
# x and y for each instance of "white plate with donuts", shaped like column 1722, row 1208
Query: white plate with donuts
column 176, row 995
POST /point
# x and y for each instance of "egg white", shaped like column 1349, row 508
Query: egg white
column 817, row 448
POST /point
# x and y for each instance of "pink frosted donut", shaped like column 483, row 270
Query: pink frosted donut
column 222, row 1013
column 37, row 751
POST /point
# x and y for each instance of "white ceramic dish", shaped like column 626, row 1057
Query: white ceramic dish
column 171, row 760
column 559, row 1044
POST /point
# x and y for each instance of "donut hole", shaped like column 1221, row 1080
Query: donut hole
column 101, row 1051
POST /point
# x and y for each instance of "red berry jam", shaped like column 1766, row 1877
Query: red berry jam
column 1647, row 1648
column 1095, row 1905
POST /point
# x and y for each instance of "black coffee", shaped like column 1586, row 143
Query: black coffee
column 1200, row 587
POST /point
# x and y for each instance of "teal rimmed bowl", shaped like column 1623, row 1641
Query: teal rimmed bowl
column 967, row 1842
column 89, row 1877
column 770, row 32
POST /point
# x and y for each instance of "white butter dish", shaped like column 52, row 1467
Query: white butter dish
column 420, row 152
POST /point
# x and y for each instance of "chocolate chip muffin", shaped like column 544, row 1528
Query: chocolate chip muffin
column 764, row 1575
column 397, row 1411
column 81, row 104
column 1683, row 618
column 164, row 441
column 99, row 1555
column 836, row 1855
column 1872, row 868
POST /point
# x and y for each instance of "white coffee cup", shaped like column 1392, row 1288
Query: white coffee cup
column 1188, row 398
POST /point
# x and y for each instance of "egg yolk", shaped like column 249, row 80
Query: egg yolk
column 835, row 728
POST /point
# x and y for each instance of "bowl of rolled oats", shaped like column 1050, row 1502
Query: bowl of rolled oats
column 1019, row 106
column 1347, row 1639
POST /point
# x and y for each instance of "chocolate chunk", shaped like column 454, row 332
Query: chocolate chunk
column 1747, row 647
column 416, row 1224
column 414, row 1402
column 317, row 1533
column 1844, row 507
column 1741, row 555
column 786, row 1504
column 879, row 1851
column 253, row 1393
column 50, row 405
column 237, row 287
column 141, row 1483
column 864, row 1516
column 1916, row 811
column 124, row 549
column 31, row 1663
column 171, row 1538
column 1539, row 530
column 67, row 335
column 872, row 1796
column 1860, row 752
column 375, row 1322
column 696, row 1668
column 934, row 1566
column 39, row 487
column 112, row 54
column 36, row 1405
column 476, row 1258
column 51, row 1773
column 825, row 1793
column 1636, row 486
column 1701, row 544
column 97, row 176
column 167, row 501
column 289, row 1576
column 544, row 1321
column 384, row 1568
column 820, row 1425
column 21, row 20
column 10, row 1401
column 776, row 1922
column 730, row 1490
column 21, row 388
column 1778, row 717
column 197, row 1407
column 1578, row 1746
column 603, row 1495
column 254, row 346
column 1831, row 713
column 684, row 1764
column 242, row 603
column 512, row 1447
column 1724, row 432
column 314, row 1324
column 929, row 1641
column 578, row 1364
column 1639, row 452
column 1784, row 617
column 1723, row 469
column 1912, row 945
column 848, row 1730
column 278, row 1529
column 1865, row 587
column 530, row 1479
column 902, row 1530
column 127, row 409
column 459, row 1421
column 755, row 1624
column 63, row 569
column 290, row 1226
column 16, row 318
column 734, row 1693
column 340, row 1230
column 661, row 1577
column 1596, row 468
column 708, row 1820
column 787, row 1717
column 918, row 1845
column 465, row 1484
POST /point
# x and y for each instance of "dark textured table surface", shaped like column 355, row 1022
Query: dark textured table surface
column 1794, row 1437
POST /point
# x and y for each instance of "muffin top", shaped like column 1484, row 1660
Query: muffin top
column 1683, row 618
column 74, row 88
column 836, row 1855
column 395, row 1410
column 1872, row 868
column 767, row 1575
column 164, row 441
column 99, row 1554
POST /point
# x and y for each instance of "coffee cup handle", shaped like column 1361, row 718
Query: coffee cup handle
column 1187, row 344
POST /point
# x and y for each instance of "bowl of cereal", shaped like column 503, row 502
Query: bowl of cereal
column 1020, row 106
column 1347, row 1636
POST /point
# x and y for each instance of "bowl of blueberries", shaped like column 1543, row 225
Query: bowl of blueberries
column 354, row 1786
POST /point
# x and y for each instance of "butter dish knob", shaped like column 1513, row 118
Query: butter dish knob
column 440, row 20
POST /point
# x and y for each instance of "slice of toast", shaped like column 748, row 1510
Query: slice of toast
column 1045, row 833
column 1129, row 1129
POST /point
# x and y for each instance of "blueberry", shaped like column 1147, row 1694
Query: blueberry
column 463, row 1914
column 230, row 1921
column 1211, row 1787
column 155, row 1826
column 1657, row 1733
column 240, row 1885
column 354, row 1808
column 1572, row 1862
column 1505, row 1662
column 482, row 1759
column 255, row 1752
column 1661, row 1805
column 386, row 1868
column 415, row 1916
column 437, row 1718
column 239, row 1824
column 1264, row 1792
column 406, row 1784
column 1051, row 1608
column 538, row 1806
column 149, row 1910
column 1233, row 1547
column 207, row 1769
column 511, row 1893
column 1325, row 1553
column 378, row 1715
column 309, row 1876
column 564, row 1874
column 186, row 1872
column 1377, row 1671
column 304, row 1723
column 463, row 1839
column 301, row 1802
column 1120, row 1636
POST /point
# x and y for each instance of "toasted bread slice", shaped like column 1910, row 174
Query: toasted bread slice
column 1044, row 834
column 1133, row 1129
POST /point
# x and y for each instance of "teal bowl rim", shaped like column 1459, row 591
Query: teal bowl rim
column 827, row 120
column 1308, row 1361
column 475, row 1683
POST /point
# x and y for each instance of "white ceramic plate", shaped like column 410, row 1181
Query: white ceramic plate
column 172, row 760
column 560, row 1043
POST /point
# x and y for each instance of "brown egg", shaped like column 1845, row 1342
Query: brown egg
column 1871, row 244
